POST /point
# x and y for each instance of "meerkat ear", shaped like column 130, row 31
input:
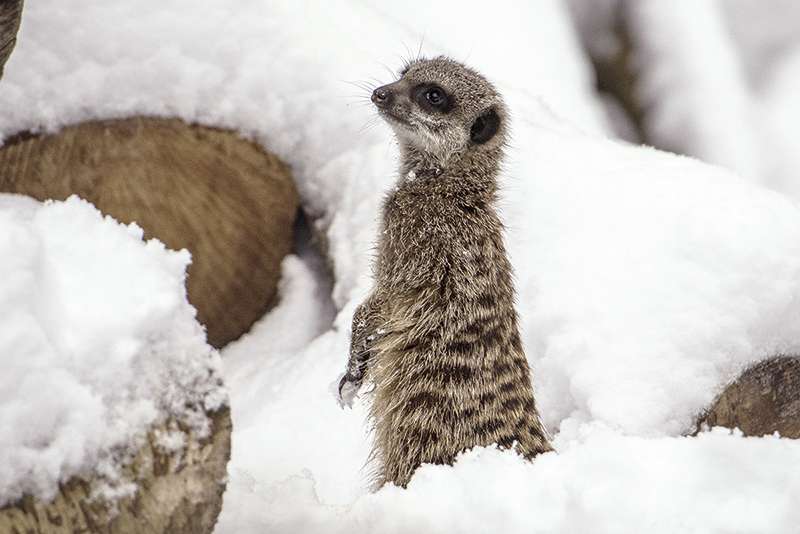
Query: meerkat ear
column 485, row 127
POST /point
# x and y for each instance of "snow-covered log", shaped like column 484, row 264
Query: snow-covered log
column 227, row 201
column 180, row 492
column 113, row 416
column 762, row 400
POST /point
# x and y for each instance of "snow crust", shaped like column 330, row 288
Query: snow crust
column 646, row 280
column 97, row 341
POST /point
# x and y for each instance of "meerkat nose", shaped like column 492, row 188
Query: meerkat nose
column 381, row 96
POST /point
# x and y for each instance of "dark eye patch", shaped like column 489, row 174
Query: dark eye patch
column 432, row 98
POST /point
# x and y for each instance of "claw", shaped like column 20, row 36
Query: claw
column 347, row 391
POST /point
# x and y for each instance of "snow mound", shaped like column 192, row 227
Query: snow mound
column 97, row 341
column 602, row 483
column 646, row 280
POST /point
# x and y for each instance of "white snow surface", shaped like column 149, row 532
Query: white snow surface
column 97, row 341
column 646, row 280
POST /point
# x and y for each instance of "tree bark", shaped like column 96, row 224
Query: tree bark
column 765, row 399
column 178, row 493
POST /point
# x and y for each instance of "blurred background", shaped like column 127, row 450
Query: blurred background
column 712, row 79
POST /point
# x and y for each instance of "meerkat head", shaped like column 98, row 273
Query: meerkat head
column 442, row 108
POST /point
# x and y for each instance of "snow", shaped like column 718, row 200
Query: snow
column 691, row 81
column 90, row 359
column 603, row 483
column 780, row 117
column 646, row 280
column 641, row 278
column 713, row 78
column 762, row 36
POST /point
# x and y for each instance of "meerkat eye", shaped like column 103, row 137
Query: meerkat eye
column 432, row 98
column 435, row 97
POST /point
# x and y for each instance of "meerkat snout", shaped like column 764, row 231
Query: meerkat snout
column 381, row 96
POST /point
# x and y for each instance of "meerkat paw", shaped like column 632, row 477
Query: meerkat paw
column 347, row 390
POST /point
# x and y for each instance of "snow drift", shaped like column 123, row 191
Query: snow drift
column 98, row 343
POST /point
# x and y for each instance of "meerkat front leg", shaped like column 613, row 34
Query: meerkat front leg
column 365, row 331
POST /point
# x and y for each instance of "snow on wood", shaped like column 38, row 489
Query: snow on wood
column 231, row 204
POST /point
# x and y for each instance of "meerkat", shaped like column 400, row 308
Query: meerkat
column 438, row 335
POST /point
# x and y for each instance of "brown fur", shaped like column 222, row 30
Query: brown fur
column 438, row 336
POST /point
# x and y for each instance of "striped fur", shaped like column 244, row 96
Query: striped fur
column 438, row 336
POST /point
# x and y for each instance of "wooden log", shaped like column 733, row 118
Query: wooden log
column 763, row 400
column 180, row 492
column 223, row 198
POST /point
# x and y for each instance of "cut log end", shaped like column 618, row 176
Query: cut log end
column 231, row 204
column 765, row 399
column 179, row 492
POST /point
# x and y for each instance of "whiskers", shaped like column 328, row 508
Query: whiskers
column 369, row 124
column 362, row 99
column 365, row 91
column 411, row 57
column 363, row 96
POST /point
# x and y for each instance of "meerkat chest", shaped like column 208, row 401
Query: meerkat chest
column 412, row 220
column 427, row 241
